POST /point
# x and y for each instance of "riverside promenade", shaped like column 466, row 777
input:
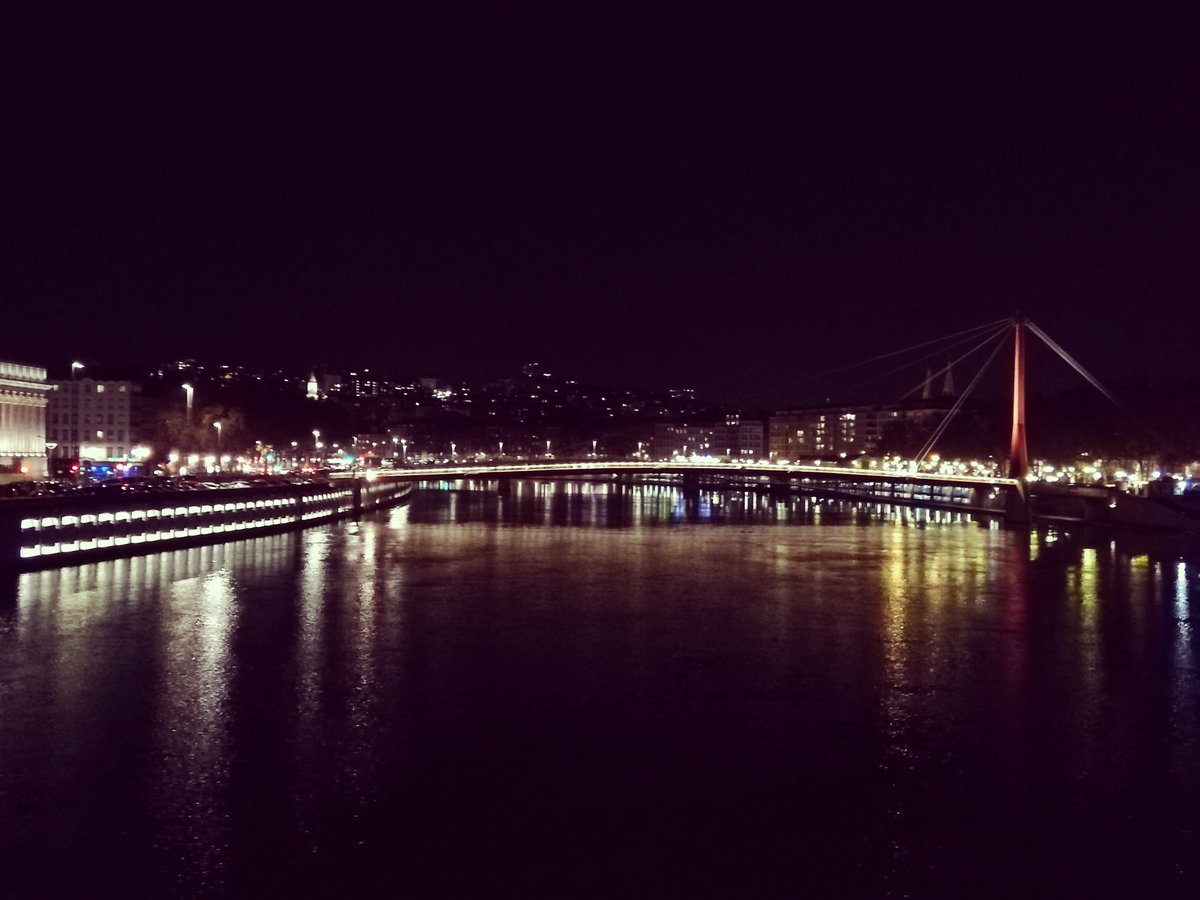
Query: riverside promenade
column 66, row 529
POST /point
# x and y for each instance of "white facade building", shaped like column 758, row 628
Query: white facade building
column 23, row 392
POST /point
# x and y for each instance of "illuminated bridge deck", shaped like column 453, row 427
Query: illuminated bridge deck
column 841, row 474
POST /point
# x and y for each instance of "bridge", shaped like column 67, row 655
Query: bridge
column 1016, row 496
column 966, row 493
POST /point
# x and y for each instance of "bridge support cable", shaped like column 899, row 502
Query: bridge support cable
column 940, row 351
column 967, row 333
column 1074, row 364
column 958, row 403
column 954, row 362
column 945, row 343
column 1092, row 380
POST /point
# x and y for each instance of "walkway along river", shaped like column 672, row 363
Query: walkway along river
column 39, row 532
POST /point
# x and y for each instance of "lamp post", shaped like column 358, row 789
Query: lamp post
column 74, row 445
column 188, row 392
column 217, row 425
column 404, row 448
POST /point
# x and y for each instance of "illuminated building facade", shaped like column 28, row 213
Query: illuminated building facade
column 94, row 419
column 23, row 391
column 363, row 384
column 732, row 438
column 834, row 431
column 321, row 385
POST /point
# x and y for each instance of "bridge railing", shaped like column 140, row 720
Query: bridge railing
column 567, row 467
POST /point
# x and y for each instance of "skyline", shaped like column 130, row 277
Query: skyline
column 974, row 362
column 732, row 215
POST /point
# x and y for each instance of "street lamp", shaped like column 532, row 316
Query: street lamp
column 404, row 448
column 188, row 390
column 75, row 366
column 217, row 425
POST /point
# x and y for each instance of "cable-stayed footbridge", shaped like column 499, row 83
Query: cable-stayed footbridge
column 1011, row 491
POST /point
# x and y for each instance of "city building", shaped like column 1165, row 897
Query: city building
column 731, row 438
column 373, row 446
column 322, row 384
column 23, row 442
column 94, row 420
column 363, row 384
column 833, row 431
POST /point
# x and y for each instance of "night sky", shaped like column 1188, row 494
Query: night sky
column 658, row 203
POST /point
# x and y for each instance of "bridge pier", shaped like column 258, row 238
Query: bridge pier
column 1016, row 506
column 780, row 487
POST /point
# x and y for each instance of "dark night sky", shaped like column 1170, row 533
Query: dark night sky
column 657, row 203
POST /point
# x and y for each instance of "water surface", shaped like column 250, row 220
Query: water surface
column 585, row 689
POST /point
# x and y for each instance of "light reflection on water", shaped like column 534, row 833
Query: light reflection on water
column 610, row 689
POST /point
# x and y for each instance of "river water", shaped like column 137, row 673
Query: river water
column 591, row 690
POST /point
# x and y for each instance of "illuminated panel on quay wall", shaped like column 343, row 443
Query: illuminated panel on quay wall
column 59, row 531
